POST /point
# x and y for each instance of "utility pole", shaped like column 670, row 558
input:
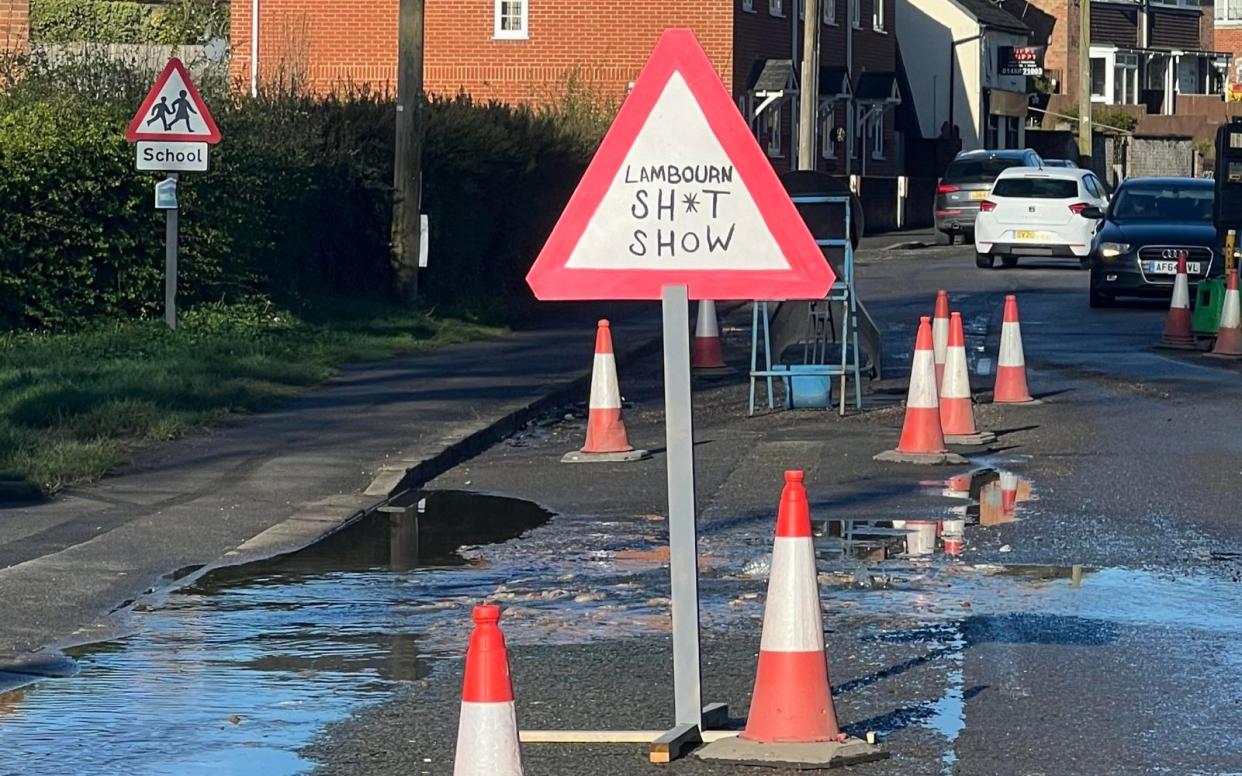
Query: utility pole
column 408, row 148
column 809, row 94
column 1084, row 83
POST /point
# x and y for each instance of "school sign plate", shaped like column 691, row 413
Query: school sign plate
column 173, row 127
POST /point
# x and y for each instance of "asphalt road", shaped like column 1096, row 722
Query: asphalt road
column 960, row 667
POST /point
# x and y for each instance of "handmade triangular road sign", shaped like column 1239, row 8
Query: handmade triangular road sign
column 680, row 193
column 173, row 111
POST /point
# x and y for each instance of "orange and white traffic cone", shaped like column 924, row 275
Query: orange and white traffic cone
column 957, row 411
column 791, row 717
column 487, row 734
column 940, row 334
column 1229, row 334
column 1011, row 361
column 1177, row 335
column 706, row 356
column 922, row 440
column 606, row 440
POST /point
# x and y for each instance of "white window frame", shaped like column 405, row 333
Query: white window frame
column 776, row 7
column 1228, row 16
column 748, row 6
column 830, row 12
column 497, row 18
column 876, row 131
column 772, row 122
column 828, row 128
column 856, row 14
column 877, row 15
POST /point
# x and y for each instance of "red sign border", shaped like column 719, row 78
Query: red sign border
column 809, row 276
column 135, row 133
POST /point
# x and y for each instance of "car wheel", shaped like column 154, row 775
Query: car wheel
column 944, row 238
column 1099, row 299
column 1009, row 261
column 984, row 260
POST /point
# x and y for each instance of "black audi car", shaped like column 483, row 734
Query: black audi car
column 1150, row 224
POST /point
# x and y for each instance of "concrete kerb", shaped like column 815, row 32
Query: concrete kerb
column 469, row 440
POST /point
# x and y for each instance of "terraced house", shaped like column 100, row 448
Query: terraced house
column 1143, row 52
column 532, row 50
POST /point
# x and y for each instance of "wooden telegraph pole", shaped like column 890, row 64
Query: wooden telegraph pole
column 408, row 148
column 1084, row 83
column 809, row 94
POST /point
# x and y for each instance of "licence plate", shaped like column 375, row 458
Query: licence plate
column 1170, row 267
column 978, row 195
column 1024, row 234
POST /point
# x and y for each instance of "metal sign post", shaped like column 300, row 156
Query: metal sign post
column 682, row 539
column 170, row 260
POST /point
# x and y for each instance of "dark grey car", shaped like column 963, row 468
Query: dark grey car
column 966, row 183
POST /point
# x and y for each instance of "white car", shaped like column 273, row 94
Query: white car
column 1039, row 211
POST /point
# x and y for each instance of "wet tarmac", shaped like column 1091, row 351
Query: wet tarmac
column 242, row 670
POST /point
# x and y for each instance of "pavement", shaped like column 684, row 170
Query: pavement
column 270, row 483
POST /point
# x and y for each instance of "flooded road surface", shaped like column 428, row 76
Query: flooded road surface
column 239, row 671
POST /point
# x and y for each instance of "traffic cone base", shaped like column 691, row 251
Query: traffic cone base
column 1229, row 333
column 606, row 439
column 792, row 721
column 922, row 441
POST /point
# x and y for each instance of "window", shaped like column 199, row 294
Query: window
column 1097, row 78
column 773, row 120
column 748, row 6
column 776, row 7
column 877, row 15
column 856, row 13
column 1036, row 188
column 1125, row 80
column 876, row 133
column 510, row 20
column 827, row 132
column 830, row 11
column 1229, row 11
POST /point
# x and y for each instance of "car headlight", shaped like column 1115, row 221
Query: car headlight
column 1111, row 250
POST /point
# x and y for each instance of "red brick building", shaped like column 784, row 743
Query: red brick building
column 14, row 25
column 531, row 50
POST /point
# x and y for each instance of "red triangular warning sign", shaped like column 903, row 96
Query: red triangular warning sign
column 173, row 111
column 680, row 193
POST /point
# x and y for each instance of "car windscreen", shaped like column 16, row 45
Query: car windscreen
column 1163, row 203
column 1036, row 188
column 978, row 170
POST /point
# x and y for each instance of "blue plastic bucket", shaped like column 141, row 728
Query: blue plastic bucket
column 807, row 387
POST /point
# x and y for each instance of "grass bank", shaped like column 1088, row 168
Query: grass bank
column 73, row 406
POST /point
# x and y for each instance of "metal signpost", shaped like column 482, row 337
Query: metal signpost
column 172, row 132
column 680, row 203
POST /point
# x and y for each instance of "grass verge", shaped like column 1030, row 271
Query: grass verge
column 73, row 406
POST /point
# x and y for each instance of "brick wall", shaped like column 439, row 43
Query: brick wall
column 1160, row 156
column 601, row 44
column 1229, row 39
column 323, row 43
column 14, row 25
column 1055, row 24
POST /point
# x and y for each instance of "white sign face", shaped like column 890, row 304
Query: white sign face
column 164, row 156
column 677, row 203
column 424, row 241
column 175, row 111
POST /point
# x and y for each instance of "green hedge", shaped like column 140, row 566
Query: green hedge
column 125, row 21
column 296, row 206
